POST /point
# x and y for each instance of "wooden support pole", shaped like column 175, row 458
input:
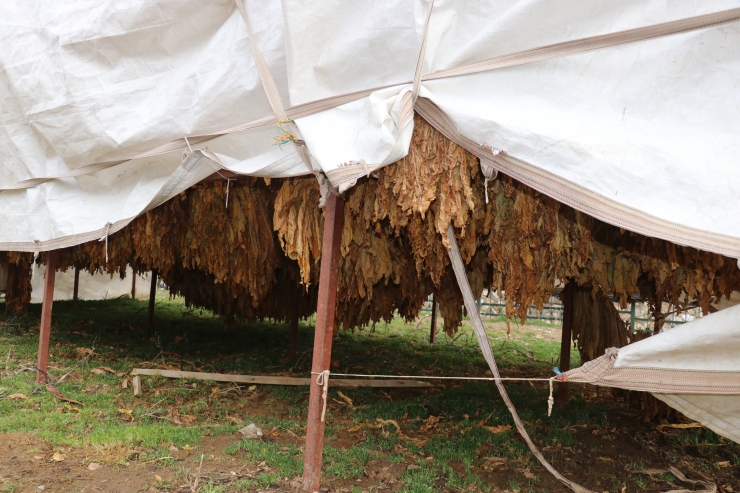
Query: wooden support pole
column 45, row 326
column 152, row 295
column 133, row 284
column 76, row 289
column 325, row 312
column 433, row 330
column 567, row 298
column 295, row 313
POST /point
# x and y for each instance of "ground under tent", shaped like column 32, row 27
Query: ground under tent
column 390, row 251
column 601, row 138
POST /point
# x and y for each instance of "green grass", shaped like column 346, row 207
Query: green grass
column 192, row 339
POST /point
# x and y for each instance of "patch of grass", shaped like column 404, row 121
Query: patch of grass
column 420, row 480
column 209, row 487
column 346, row 464
column 6, row 486
column 286, row 459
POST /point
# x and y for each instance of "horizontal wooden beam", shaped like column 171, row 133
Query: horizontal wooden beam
column 275, row 380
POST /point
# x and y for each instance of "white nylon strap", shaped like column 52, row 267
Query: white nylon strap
column 422, row 53
column 271, row 89
column 592, row 43
column 409, row 99
column 480, row 332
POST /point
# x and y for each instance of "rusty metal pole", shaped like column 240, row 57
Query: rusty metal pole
column 295, row 313
column 433, row 330
column 325, row 312
column 45, row 326
column 152, row 295
column 75, row 289
column 567, row 298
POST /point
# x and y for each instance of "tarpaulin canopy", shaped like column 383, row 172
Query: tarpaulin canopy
column 626, row 110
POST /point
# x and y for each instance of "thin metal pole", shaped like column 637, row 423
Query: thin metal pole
column 152, row 295
column 295, row 312
column 45, row 326
column 567, row 298
column 433, row 330
column 76, row 289
column 133, row 284
column 325, row 313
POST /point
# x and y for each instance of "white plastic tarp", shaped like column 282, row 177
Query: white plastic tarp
column 91, row 287
column 644, row 135
column 694, row 368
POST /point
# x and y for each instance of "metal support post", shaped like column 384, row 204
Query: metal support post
column 325, row 313
column 152, row 295
column 45, row 326
column 133, row 284
column 567, row 298
column 632, row 316
column 433, row 330
column 295, row 313
column 75, row 289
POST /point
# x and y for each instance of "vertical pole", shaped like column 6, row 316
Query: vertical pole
column 325, row 312
column 76, row 289
column 45, row 326
column 133, row 284
column 567, row 298
column 152, row 294
column 477, row 305
column 295, row 313
column 433, row 330
column 632, row 316
column 659, row 318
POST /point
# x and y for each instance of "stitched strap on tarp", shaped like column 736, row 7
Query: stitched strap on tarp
column 601, row 371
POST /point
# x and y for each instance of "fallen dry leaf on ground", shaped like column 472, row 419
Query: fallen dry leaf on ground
column 18, row 396
column 681, row 426
column 94, row 466
column 58, row 457
column 346, row 399
column 55, row 392
column 497, row 430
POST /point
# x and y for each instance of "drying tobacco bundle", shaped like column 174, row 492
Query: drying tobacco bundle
column 18, row 290
column 245, row 260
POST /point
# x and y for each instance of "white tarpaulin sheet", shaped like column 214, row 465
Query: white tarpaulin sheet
column 91, row 287
column 644, row 135
column 694, row 368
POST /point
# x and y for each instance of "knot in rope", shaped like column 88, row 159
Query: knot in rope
column 550, row 400
column 323, row 380
column 287, row 136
